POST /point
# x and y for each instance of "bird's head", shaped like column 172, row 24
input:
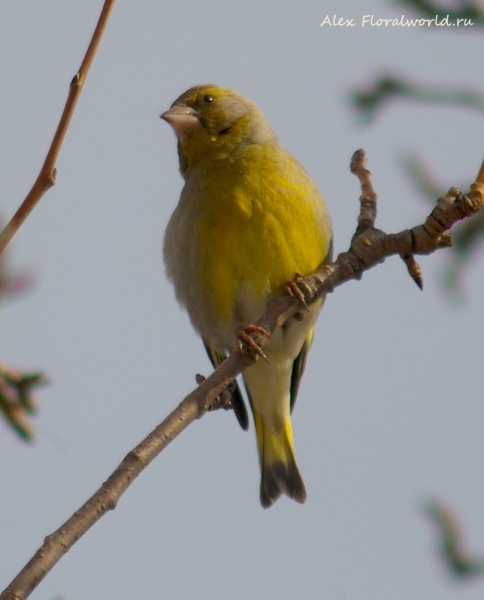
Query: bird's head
column 214, row 123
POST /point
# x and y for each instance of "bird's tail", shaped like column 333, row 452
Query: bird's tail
column 279, row 472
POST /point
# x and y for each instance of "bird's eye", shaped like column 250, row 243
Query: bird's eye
column 208, row 98
column 224, row 131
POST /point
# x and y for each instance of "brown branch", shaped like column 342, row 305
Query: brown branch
column 369, row 247
column 106, row 498
column 46, row 177
column 467, row 236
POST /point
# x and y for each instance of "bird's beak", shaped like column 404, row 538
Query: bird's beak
column 181, row 118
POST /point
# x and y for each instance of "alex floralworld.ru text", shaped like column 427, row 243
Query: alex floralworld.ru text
column 370, row 20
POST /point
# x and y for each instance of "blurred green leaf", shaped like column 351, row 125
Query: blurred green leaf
column 457, row 559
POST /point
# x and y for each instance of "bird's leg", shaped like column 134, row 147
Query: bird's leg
column 247, row 343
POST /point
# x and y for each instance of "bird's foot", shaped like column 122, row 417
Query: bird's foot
column 299, row 289
column 224, row 400
column 248, row 344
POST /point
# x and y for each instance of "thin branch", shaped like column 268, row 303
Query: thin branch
column 46, row 177
column 467, row 236
column 470, row 233
column 369, row 247
column 106, row 498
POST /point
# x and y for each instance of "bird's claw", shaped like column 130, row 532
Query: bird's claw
column 247, row 342
column 224, row 400
column 299, row 289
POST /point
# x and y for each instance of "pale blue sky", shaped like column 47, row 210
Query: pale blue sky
column 391, row 408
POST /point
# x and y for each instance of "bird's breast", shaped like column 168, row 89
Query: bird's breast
column 245, row 232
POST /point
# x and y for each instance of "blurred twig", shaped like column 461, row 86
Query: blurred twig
column 46, row 177
column 457, row 559
column 422, row 178
column 16, row 388
column 369, row 247
column 17, row 402
column 386, row 87
column 468, row 9
column 11, row 283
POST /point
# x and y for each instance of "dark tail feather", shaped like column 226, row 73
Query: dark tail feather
column 279, row 472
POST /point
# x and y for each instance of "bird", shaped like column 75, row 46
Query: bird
column 248, row 220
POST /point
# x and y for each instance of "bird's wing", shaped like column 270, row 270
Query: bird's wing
column 237, row 400
column 298, row 367
column 300, row 363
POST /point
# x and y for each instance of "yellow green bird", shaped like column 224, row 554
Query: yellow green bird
column 249, row 218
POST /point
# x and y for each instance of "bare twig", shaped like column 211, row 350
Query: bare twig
column 46, row 177
column 368, row 248
column 467, row 236
column 106, row 498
